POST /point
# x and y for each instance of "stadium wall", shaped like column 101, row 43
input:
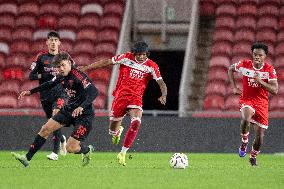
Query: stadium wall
column 158, row 134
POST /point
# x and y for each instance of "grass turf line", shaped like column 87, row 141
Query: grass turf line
column 143, row 170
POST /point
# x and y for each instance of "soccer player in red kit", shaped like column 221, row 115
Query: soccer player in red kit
column 136, row 69
column 259, row 79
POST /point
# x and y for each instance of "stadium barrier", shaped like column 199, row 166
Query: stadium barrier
column 157, row 134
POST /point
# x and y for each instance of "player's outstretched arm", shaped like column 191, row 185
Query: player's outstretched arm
column 96, row 65
column 24, row 93
column 231, row 71
column 164, row 91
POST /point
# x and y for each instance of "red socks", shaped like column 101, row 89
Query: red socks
column 132, row 132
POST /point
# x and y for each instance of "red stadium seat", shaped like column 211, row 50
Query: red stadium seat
column 2, row 61
column 279, row 49
column 49, row 8
column 102, row 87
column 226, row 9
column 5, row 34
column 249, row 9
column 82, row 59
column 266, row 35
column 281, row 11
column 277, row 103
column 7, row 21
column 26, row 20
column 108, row 35
column 110, row 21
column 244, row 35
column 29, row 8
column 69, row 22
column 268, row 9
column 114, row 7
column 232, row 103
column 47, row 21
column 72, row 8
column 29, row 102
column 220, row 61
column 9, row 8
column 16, row 73
column 216, row 87
column 279, row 62
column 267, row 22
column 225, row 21
column 89, row 21
column 105, row 48
column 213, row 102
column 280, row 88
column 22, row 46
column 17, row 60
column 280, row 36
column 243, row 48
column 280, row 74
column 207, row 8
column 223, row 35
column 38, row 45
column 22, row 33
column 100, row 102
column 27, row 84
column 100, row 74
column 84, row 47
column 88, row 34
column 246, row 22
column 217, row 74
column 8, row 101
column 222, row 48
column 10, row 87
column 66, row 45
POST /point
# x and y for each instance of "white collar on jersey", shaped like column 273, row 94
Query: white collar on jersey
column 139, row 62
column 257, row 68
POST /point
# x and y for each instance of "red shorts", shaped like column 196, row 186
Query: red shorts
column 260, row 116
column 121, row 104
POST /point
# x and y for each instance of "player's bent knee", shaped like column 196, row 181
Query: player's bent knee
column 72, row 148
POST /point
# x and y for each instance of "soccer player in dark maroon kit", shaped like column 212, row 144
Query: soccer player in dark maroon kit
column 43, row 71
column 77, row 110
column 259, row 79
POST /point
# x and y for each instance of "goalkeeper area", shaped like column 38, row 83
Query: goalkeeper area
column 143, row 170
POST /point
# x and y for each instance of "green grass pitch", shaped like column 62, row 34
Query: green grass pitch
column 143, row 170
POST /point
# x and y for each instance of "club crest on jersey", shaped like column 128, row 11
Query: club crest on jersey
column 71, row 82
column 136, row 74
column 85, row 83
column 46, row 62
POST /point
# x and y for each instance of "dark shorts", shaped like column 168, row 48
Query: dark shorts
column 48, row 107
column 82, row 124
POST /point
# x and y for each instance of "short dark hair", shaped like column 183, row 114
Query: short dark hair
column 61, row 56
column 259, row 45
column 53, row 34
column 140, row 46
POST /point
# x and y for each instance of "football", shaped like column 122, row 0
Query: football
column 179, row 161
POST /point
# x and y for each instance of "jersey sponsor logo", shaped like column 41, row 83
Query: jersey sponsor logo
column 251, row 73
column 136, row 74
column 252, row 82
column 70, row 92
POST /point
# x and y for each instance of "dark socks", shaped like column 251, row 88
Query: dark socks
column 56, row 140
column 83, row 150
column 35, row 146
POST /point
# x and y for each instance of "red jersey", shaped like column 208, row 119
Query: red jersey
column 134, row 76
column 252, row 91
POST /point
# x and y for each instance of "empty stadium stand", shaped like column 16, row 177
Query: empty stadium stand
column 89, row 31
